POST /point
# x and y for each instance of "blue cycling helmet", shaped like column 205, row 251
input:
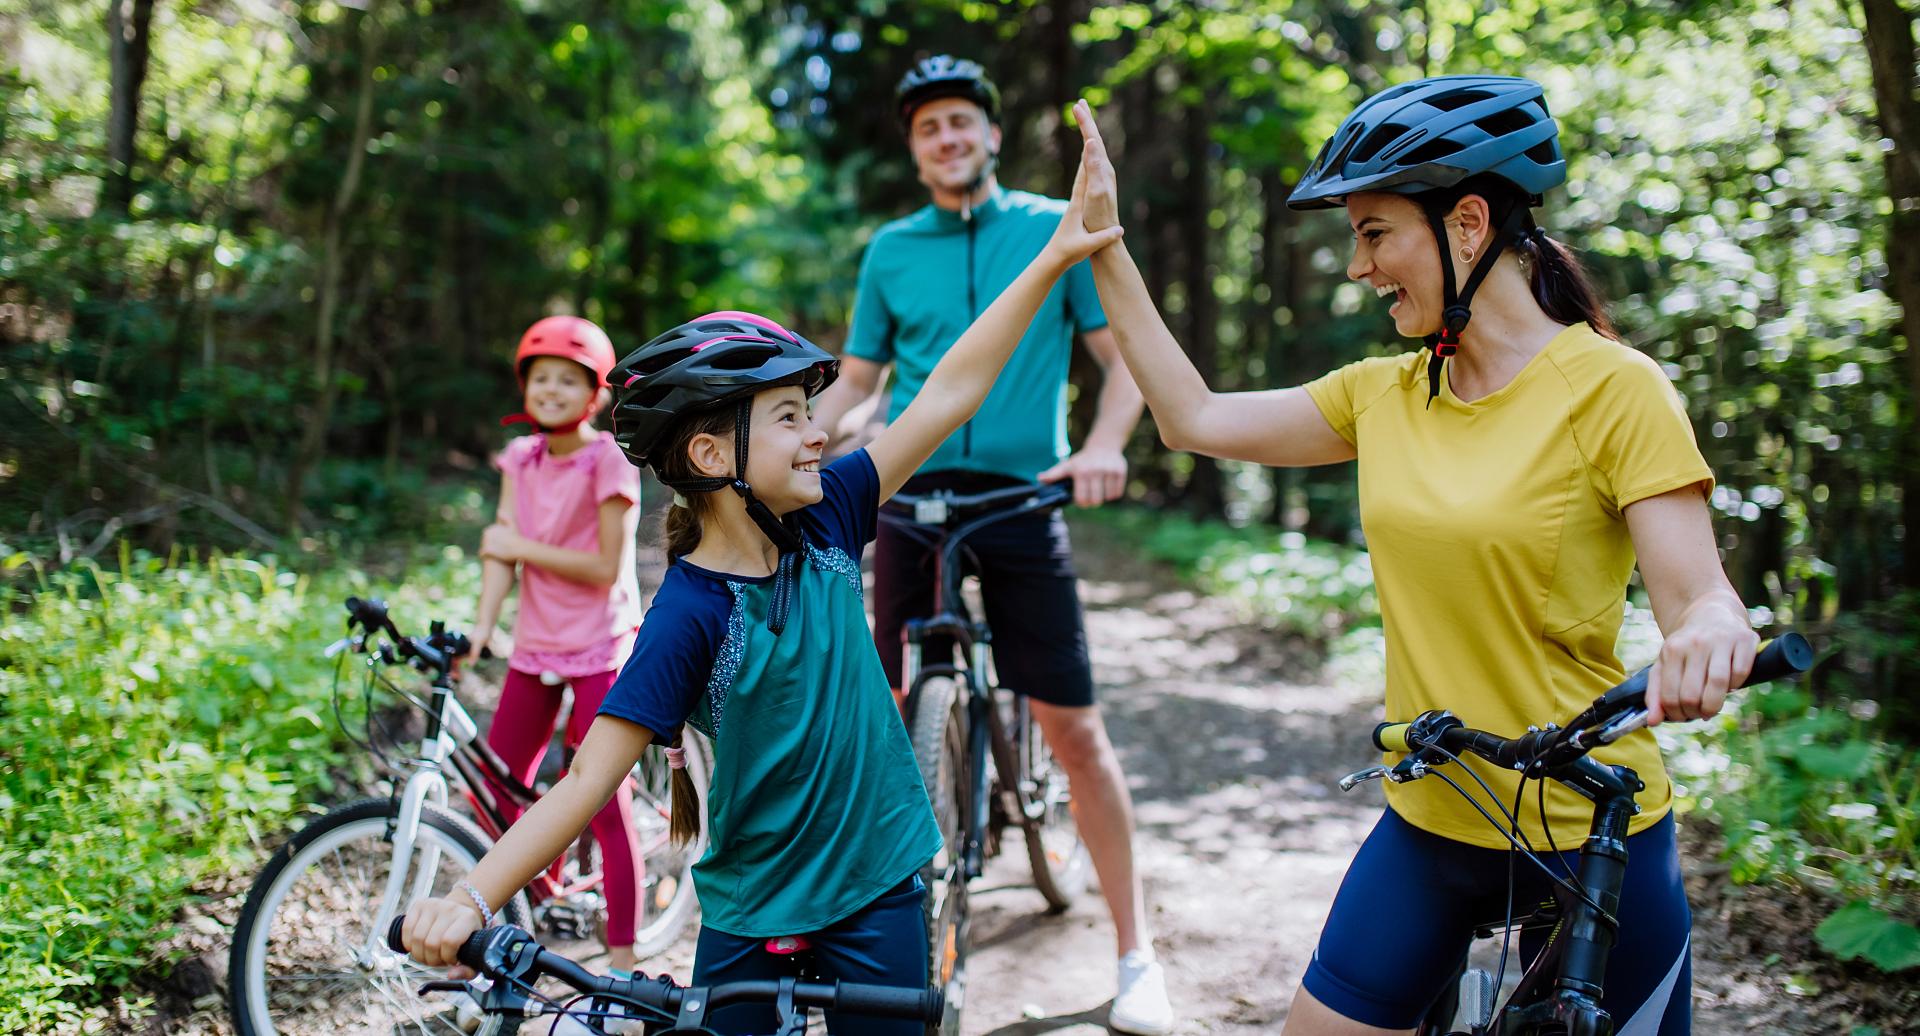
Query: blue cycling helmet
column 1431, row 134
column 1434, row 140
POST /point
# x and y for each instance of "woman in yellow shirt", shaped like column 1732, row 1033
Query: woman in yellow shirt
column 1510, row 474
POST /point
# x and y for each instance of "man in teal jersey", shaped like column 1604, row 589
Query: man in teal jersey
column 924, row 279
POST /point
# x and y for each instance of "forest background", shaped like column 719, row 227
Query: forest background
column 262, row 263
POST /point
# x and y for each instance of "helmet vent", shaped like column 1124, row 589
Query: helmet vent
column 1376, row 140
column 1499, row 124
column 648, row 398
column 744, row 359
column 1447, row 102
column 659, row 361
column 1433, row 151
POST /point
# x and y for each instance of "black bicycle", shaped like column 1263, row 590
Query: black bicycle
column 1560, row 991
column 511, row 965
column 983, row 759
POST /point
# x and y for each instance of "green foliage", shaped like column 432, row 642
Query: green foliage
column 1859, row 930
column 1811, row 797
column 160, row 720
column 1285, row 580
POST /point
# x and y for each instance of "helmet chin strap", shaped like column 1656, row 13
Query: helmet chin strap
column 1455, row 309
column 593, row 407
column 784, row 538
column 973, row 186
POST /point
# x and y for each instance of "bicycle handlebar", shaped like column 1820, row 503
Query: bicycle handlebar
column 438, row 651
column 510, row 956
column 952, row 507
column 1621, row 710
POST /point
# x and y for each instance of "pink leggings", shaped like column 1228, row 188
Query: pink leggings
column 521, row 729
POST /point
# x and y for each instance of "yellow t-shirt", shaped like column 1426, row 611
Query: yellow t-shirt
column 1501, row 555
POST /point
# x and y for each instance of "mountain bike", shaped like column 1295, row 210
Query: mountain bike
column 306, row 953
column 510, row 964
column 1561, row 989
column 981, row 755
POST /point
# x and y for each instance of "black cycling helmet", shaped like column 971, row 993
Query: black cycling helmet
column 706, row 363
column 703, row 363
column 1431, row 134
column 1428, row 139
column 944, row 75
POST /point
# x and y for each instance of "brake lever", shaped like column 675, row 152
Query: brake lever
column 343, row 644
column 1624, row 724
column 1354, row 780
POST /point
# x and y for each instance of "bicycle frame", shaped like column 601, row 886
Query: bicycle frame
column 452, row 741
column 986, row 727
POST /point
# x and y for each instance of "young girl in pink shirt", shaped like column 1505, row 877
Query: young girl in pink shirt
column 566, row 519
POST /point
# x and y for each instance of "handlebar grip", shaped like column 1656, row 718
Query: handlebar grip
column 1783, row 656
column 473, row 952
column 1392, row 737
column 926, row 1005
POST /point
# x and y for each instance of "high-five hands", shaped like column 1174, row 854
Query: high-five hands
column 1077, row 237
column 1101, row 206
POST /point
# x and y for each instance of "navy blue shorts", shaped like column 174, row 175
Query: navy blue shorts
column 1406, row 911
column 1027, row 586
column 884, row 943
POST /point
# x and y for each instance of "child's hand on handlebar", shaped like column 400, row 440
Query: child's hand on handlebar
column 435, row 929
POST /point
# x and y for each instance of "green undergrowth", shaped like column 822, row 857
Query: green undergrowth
column 161, row 719
column 1812, row 797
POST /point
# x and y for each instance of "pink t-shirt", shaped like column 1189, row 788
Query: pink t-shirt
column 566, row 626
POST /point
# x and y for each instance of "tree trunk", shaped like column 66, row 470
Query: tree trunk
column 1206, row 491
column 1064, row 57
column 1891, row 54
column 127, row 49
column 325, row 385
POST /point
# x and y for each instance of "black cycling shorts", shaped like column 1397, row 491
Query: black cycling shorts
column 1027, row 584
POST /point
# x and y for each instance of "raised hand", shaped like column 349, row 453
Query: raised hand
column 1073, row 240
column 1102, row 200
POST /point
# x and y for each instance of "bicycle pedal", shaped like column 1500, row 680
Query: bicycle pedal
column 568, row 920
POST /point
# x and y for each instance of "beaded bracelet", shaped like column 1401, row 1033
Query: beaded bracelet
column 486, row 912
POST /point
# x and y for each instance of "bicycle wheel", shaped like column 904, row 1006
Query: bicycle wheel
column 305, row 958
column 666, row 898
column 1059, row 859
column 939, row 739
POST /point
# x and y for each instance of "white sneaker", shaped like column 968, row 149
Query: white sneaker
column 1140, row 1007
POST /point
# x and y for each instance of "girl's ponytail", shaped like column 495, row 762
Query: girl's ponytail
column 683, row 816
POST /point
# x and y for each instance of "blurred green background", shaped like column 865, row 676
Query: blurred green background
column 262, row 263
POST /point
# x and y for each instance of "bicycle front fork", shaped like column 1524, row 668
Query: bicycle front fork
column 425, row 785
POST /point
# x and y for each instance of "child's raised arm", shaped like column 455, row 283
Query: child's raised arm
column 435, row 928
column 960, row 381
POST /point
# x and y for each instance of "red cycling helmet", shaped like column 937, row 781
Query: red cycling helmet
column 569, row 338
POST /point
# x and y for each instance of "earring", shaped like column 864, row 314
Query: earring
column 1466, row 255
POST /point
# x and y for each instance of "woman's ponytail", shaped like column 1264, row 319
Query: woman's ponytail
column 1560, row 283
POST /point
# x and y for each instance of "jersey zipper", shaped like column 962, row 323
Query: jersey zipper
column 973, row 312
